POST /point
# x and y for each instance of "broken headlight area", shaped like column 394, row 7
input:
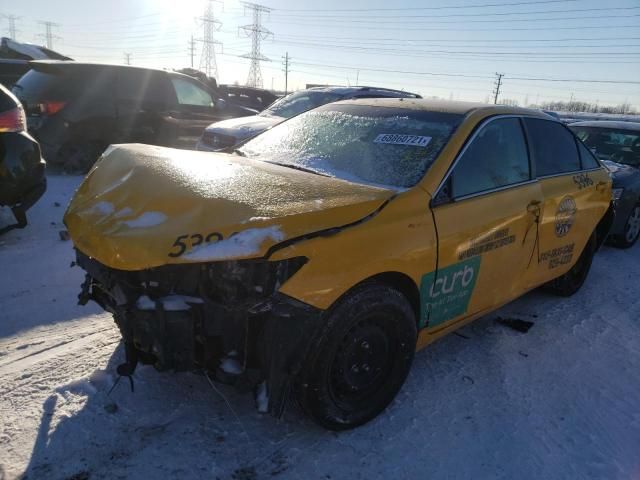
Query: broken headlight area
column 225, row 317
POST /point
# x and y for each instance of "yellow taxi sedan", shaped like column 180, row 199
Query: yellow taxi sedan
column 318, row 257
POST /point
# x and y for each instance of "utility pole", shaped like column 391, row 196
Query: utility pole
column 210, row 25
column 12, row 25
column 127, row 58
column 48, row 33
column 498, row 84
column 192, row 49
column 357, row 77
column 286, row 72
column 257, row 33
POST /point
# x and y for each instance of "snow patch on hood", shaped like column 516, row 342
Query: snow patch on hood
column 147, row 219
column 244, row 243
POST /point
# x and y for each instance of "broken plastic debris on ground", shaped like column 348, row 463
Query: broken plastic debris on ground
column 560, row 401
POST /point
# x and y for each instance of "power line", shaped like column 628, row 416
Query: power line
column 428, row 21
column 208, row 56
column 496, row 91
column 361, row 15
column 257, row 33
column 48, row 33
column 468, row 5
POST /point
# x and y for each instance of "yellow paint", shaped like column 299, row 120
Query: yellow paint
column 202, row 193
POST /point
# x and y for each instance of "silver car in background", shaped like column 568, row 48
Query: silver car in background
column 227, row 133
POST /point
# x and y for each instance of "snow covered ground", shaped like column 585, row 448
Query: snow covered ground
column 559, row 402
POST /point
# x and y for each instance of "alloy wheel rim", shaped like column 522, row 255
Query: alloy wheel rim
column 633, row 225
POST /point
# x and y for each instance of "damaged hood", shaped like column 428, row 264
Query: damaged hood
column 144, row 206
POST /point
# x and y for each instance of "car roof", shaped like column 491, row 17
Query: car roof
column 446, row 106
column 53, row 64
column 610, row 124
column 362, row 89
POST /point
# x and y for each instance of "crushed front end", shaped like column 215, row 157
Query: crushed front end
column 225, row 317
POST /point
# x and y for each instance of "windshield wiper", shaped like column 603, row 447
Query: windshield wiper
column 239, row 152
column 298, row 167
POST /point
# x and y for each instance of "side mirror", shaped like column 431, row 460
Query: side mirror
column 221, row 104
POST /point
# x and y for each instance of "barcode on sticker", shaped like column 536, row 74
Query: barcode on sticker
column 396, row 139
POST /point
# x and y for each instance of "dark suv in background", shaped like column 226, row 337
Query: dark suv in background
column 228, row 133
column 75, row 110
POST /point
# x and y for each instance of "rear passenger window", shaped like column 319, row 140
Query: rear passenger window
column 586, row 157
column 495, row 158
column 553, row 146
column 138, row 86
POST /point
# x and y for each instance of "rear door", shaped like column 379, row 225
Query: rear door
column 194, row 110
column 485, row 219
column 575, row 189
column 143, row 101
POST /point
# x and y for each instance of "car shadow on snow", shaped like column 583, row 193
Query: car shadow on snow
column 179, row 426
column 172, row 426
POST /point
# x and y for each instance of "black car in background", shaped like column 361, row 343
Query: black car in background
column 228, row 133
column 15, row 57
column 618, row 145
column 75, row 110
column 22, row 179
column 255, row 98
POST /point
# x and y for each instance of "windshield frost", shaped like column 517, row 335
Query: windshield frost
column 374, row 145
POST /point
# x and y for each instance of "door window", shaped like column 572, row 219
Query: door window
column 189, row 93
column 586, row 157
column 554, row 147
column 496, row 157
column 139, row 86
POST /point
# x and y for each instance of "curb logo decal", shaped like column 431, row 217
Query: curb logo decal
column 565, row 216
column 447, row 295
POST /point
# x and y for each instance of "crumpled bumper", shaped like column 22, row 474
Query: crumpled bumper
column 269, row 333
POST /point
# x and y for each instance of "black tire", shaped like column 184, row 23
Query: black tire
column 569, row 283
column 361, row 359
column 631, row 230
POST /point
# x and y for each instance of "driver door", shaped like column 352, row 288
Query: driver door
column 485, row 214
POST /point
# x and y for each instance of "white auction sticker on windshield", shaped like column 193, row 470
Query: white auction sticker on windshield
column 397, row 139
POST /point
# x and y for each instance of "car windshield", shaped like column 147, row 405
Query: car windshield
column 621, row 146
column 389, row 147
column 299, row 102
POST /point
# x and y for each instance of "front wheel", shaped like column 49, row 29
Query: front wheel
column 569, row 283
column 361, row 359
column 631, row 230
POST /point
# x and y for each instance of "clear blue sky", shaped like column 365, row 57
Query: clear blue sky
column 450, row 49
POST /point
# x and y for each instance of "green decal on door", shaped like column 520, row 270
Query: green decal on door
column 446, row 295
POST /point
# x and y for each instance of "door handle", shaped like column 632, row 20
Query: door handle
column 534, row 207
column 600, row 186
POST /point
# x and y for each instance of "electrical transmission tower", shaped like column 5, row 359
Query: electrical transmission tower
column 48, row 33
column 210, row 25
column 12, row 25
column 127, row 58
column 498, row 84
column 257, row 33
